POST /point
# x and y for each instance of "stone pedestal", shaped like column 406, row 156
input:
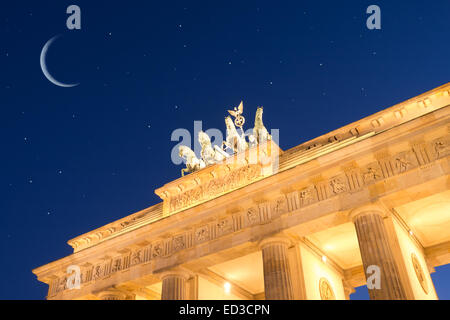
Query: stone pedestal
column 376, row 252
column 277, row 274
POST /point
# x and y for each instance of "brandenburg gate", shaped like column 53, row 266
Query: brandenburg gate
column 366, row 204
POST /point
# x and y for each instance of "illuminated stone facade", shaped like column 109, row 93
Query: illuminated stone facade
column 371, row 198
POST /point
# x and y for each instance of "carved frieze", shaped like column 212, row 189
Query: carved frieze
column 308, row 196
column 338, row 184
column 404, row 161
column 215, row 187
column 441, row 147
column 278, row 206
column 116, row 265
column 202, row 234
column 179, row 242
column 372, row 173
column 136, row 257
column 157, row 249
column 224, row 226
column 252, row 216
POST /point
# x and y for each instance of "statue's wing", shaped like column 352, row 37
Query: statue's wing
column 241, row 107
column 233, row 113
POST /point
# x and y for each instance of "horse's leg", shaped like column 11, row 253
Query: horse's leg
column 224, row 143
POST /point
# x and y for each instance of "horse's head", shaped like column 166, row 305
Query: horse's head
column 259, row 114
column 203, row 138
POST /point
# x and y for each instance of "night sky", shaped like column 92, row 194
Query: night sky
column 74, row 159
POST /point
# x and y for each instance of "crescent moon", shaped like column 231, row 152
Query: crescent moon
column 44, row 66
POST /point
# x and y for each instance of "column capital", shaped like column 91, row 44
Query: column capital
column 372, row 208
column 175, row 272
column 278, row 239
column 174, row 284
column 113, row 293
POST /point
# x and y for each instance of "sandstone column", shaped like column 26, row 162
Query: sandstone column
column 375, row 251
column 277, row 274
column 174, row 285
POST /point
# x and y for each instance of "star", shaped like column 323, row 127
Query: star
column 30, row 181
column 148, row 126
column 59, row 171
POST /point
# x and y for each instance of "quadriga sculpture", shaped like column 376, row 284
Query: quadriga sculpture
column 259, row 131
column 234, row 140
column 192, row 162
column 209, row 154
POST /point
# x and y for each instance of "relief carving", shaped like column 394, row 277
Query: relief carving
column 224, row 226
column 157, row 250
column 179, row 243
column 279, row 206
column 404, row 161
column 117, row 265
column 215, row 187
column 252, row 216
column 441, row 147
column 338, row 185
column 136, row 257
column 202, row 234
column 372, row 173
column 98, row 272
column 307, row 196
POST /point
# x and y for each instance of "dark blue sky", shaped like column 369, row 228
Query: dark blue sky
column 74, row 159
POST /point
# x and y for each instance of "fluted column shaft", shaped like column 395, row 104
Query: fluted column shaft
column 277, row 275
column 174, row 286
column 376, row 251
